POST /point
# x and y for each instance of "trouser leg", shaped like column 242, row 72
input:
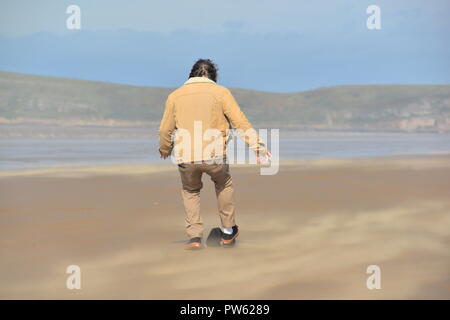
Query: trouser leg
column 191, row 179
column 220, row 175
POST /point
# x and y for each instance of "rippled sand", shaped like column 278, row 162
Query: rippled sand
column 308, row 232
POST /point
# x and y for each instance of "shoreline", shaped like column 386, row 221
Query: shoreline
column 19, row 131
column 397, row 161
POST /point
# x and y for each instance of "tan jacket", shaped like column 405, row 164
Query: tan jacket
column 193, row 110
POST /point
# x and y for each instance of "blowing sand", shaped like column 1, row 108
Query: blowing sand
column 308, row 232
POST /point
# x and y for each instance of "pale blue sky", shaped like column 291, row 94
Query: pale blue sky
column 306, row 44
column 21, row 17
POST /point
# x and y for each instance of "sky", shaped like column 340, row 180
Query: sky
column 279, row 46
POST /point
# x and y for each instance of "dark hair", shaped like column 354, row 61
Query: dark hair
column 204, row 68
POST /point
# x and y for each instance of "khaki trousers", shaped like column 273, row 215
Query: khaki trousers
column 191, row 179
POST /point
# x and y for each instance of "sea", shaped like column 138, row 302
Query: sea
column 34, row 153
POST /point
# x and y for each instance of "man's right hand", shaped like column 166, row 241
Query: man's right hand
column 163, row 155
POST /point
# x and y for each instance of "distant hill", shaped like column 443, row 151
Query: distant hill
column 417, row 108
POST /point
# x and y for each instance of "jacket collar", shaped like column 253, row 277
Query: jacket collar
column 198, row 79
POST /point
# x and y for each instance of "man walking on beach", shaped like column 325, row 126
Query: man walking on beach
column 202, row 110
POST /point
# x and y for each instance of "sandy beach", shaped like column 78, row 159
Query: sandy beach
column 308, row 232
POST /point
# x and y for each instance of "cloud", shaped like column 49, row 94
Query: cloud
column 298, row 61
column 234, row 25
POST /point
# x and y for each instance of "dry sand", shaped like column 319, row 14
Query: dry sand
column 308, row 232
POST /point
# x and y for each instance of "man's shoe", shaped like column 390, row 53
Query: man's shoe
column 194, row 244
column 228, row 239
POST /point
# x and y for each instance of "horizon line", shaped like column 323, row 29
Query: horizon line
column 247, row 89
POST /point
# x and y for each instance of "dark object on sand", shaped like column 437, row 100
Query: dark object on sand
column 214, row 238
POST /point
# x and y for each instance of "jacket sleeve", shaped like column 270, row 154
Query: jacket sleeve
column 239, row 121
column 166, row 129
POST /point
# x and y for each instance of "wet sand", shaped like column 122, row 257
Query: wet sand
column 308, row 232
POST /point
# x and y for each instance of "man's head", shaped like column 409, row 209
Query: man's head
column 204, row 68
